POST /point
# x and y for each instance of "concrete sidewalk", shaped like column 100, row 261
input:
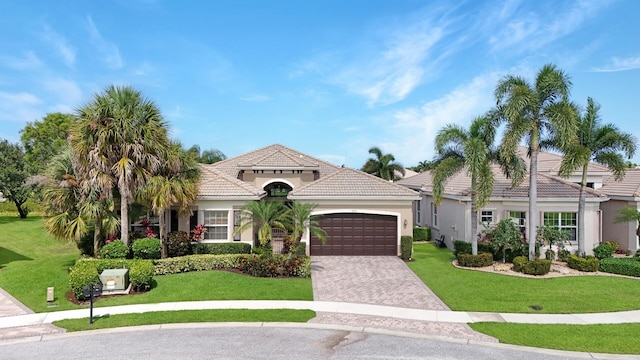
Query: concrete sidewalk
column 460, row 317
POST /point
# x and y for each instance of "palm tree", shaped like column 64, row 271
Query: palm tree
column 298, row 220
column 263, row 216
column 175, row 184
column 383, row 165
column 473, row 151
column 532, row 112
column 629, row 214
column 120, row 138
column 599, row 143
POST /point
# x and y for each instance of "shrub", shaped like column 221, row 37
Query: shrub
column 461, row 247
column 480, row 260
column 85, row 245
column 518, row 263
column 178, row 244
column 614, row 245
column 421, row 233
column 505, row 237
column 300, row 249
column 196, row 263
column 603, row 251
column 262, row 250
column 141, row 274
column 114, row 250
column 564, row 254
column 406, row 247
column 589, row 264
column 82, row 274
column 146, row 248
column 536, row 267
column 275, row 266
column 222, row 248
column 622, row 266
column 637, row 253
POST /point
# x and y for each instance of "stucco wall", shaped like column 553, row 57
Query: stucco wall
column 623, row 233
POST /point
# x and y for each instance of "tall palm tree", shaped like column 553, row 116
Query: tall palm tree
column 120, row 138
column 383, row 165
column 263, row 216
column 174, row 185
column 298, row 220
column 473, row 151
column 629, row 214
column 599, row 143
column 532, row 112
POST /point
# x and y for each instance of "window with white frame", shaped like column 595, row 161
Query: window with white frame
column 564, row 221
column 217, row 223
column 520, row 219
column 434, row 215
column 487, row 218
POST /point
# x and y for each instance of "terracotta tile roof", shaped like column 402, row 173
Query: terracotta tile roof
column 273, row 157
column 550, row 162
column 215, row 184
column 548, row 186
column 351, row 183
column 629, row 186
column 415, row 181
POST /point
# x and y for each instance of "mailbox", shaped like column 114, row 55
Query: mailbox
column 115, row 279
column 91, row 291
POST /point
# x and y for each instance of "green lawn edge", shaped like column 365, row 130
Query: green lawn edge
column 601, row 338
column 470, row 290
column 187, row 316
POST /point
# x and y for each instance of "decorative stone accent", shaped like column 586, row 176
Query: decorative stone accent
column 502, row 267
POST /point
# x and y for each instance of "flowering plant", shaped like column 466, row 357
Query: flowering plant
column 198, row 232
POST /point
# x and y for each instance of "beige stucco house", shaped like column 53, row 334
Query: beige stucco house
column 362, row 214
column 557, row 203
column 621, row 194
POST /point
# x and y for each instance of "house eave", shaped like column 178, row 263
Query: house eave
column 325, row 197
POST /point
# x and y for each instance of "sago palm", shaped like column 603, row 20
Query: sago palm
column 598, row 143
column 532, row 112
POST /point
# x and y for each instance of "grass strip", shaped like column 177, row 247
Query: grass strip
column 187, row 316
column 471, row 290
column 606, row 338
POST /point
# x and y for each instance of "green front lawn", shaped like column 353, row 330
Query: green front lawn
column 613, row 339
column 188, row 316
column 31, row 261
column 469, row 290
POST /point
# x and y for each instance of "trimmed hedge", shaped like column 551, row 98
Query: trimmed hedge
column 461, row 246
column 421, row 233
column 535, row 267
column 603, row 251
column 588, row 264
column 622, row 266
column 114, row 250
column 406, row 247
column 480, row 260
column 146, row 248
column 178, row 244
column 196, row 263
column 222, row 248
column 86, row 271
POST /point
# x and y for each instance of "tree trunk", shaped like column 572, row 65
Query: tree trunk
column 21, row 211
column 124, row 219
column 581, row 210
column 161, row 231
column 474, row 225
column 533, row 194
column 97, row 235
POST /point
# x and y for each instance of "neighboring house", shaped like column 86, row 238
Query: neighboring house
column 621, row 194
column 362, row 214
column 557, row 202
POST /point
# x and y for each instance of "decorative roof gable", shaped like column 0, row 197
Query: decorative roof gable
column 215, row 184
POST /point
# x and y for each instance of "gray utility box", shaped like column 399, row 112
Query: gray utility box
column 114, row 279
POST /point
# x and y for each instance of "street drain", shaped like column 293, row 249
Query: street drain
column 535, row 307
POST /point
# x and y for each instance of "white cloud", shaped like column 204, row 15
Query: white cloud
column 28, row 61
column 108, row 51
column 256, row 98
column 66, row 91
column 144, row 69
column 415, row 128
column 620, row 64
column 59, row 42
column 19, row 107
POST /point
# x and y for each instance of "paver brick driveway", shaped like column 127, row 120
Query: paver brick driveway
column 379, row 280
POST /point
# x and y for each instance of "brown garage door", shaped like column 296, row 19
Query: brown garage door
column 357, row 234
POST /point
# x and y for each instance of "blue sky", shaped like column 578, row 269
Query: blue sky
column 328, row 78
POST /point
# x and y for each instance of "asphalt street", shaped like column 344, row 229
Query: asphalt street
column 254, row 343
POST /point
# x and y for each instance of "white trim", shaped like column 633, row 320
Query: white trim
column 271, row 181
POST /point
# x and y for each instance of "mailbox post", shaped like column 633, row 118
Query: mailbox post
column 91, row 291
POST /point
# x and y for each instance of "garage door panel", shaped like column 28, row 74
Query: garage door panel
column 357, row 234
